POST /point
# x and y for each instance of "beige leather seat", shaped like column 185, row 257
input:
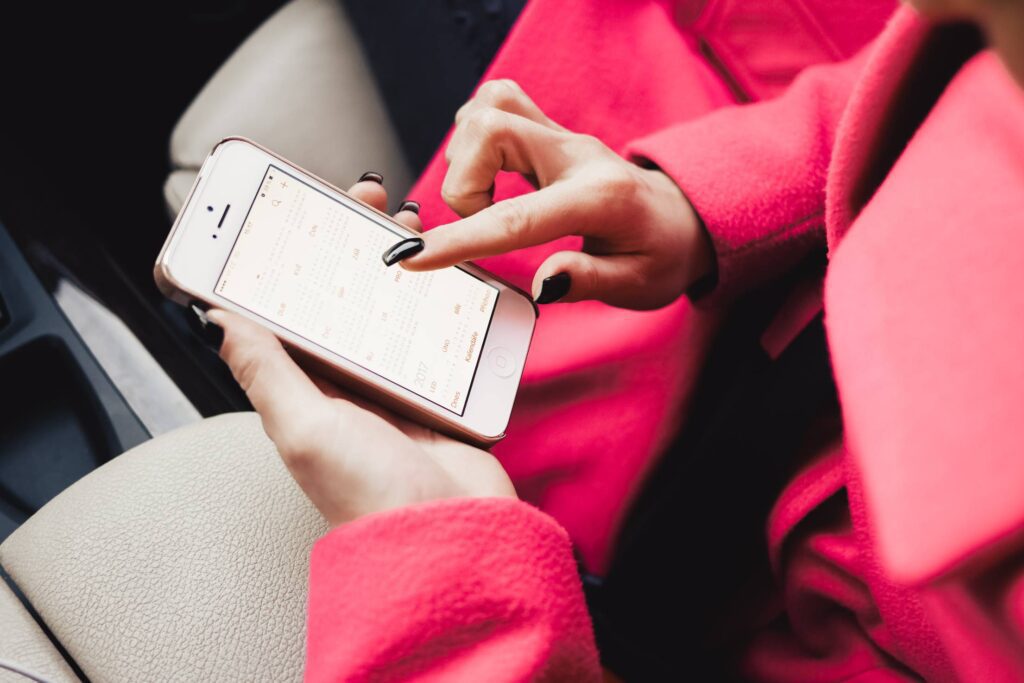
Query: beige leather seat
column 300, row 86
column 184, row 559
column 23, row 643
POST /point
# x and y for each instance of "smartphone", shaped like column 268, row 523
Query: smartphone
column 263, row 238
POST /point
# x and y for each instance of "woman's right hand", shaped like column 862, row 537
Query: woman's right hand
column 643, row 243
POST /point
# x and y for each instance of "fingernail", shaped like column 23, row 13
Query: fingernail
column 372, row 176
column 554, row 288
column 403, row 250
column 214, row 335
column 410, row 205
column 209, row 331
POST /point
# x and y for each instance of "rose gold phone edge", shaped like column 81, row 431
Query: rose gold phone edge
column 177, row 292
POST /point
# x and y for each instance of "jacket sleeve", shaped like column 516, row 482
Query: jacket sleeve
column 454, row 590
column 756, row 174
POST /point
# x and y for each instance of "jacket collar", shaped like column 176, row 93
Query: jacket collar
column 924, row 306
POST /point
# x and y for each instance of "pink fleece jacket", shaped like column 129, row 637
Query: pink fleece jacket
column 922, row 575
column 605, row 390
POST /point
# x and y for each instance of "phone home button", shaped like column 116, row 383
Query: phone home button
column 502, row 362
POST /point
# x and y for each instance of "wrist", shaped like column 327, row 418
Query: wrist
column 697, row 253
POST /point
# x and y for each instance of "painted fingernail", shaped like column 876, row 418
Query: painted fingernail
column 554, row 288
column 214, row 335
column 209, row 331
column 410, row 205
column 403, row 250
column 372, row 176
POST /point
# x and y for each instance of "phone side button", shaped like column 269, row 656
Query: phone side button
column 502, row 362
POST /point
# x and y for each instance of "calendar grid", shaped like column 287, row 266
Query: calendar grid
column 310, row 263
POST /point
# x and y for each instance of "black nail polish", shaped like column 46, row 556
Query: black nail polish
column 214, row 335
column 554, row 288
column 403, row 250
column 208, row 331
column 372, row 176
column 410, row 205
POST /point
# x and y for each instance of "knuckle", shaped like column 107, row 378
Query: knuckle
column 463, row 111
column 513, row 221
column 488, row 90
column 246, row 365
column 589, row 143
column 302, row 444
column 296, row 450
column 486, row 123
column 512, row 85
column 447, row 194
column 500, row 92
column 618, row 180
column 453, row 193
column 449, row 191
column 598, row 156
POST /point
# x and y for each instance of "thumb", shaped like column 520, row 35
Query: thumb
column 616, row 279
column 287, row 400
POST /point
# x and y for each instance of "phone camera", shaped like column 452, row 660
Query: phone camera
column 210, row 209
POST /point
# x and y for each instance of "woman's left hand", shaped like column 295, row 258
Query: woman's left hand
column 351, row 457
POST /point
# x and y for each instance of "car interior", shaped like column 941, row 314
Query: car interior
column 101, row 143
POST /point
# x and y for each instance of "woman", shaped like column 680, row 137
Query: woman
column 897, row 547
column 591, row 417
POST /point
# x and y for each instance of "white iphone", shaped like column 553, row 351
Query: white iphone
column 265, row 239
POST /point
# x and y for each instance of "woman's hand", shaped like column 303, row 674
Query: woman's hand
column 350, row 457
column 643, row 244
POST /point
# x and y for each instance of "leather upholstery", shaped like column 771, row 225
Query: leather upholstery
column 300, row 86
column 23, row 643
column 186, row 558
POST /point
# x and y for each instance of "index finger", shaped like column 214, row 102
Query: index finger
column 284, row 396
column 515, row 223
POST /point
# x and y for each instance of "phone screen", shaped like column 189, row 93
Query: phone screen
column 311, row 264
